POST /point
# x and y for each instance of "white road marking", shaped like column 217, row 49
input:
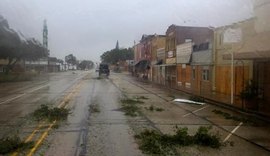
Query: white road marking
column 195, row 111
column 8, row 100
column 16, row 97
column 38, row 88
column 233, row 131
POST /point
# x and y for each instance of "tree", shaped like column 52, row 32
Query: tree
column 9, row 43
column 14, row 49
column 115, row 55
column 60, row 61
column 33, row 50
column 86, row 64
column 71, row 60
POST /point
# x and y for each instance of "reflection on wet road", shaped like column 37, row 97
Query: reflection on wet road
column 19, row 99
column 85, row 132
column 94, row 133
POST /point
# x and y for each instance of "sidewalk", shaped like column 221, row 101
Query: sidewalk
column 218, row 99
column 249, row 139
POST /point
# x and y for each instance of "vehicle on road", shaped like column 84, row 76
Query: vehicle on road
column 104, row 69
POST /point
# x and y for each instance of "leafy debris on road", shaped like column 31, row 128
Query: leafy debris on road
column 142, row 97
column 158, row 109
column 204, row 138
column 131, row 101
column 130, row 108
column 51, row 114
column 153, row 142
column 14, row 143
column 94, row 108
column 231, row 117
column 152, row 108
column 171, row 96
column 196, row 98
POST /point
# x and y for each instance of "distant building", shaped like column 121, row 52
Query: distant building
column 243, row 55
column 53, row 65
column 40, row 65
column 143, row 57
column 157, row 46
column 182, row 37
column 138, row 55
column 18, row 67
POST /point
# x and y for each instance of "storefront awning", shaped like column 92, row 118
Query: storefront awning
column 142, row 65
column 168, row 65
column 159, row 62
column 248, row 55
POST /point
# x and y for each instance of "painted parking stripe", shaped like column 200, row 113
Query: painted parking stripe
column 16, row 97
column 233, row 131
column 195, row 111
column 11, row 99
column 38, row 88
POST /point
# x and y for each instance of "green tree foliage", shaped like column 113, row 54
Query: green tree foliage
column 13, row 48
column 60, row 61
column 32, row 50
column 115, row 55
column 86, row 64
column 71, row 59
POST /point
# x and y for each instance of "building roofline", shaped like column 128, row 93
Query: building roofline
column 235, row 23
column 147, row 37
column 180, row 26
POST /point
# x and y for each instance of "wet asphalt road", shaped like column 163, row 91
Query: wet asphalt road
column 107, row 132
column 84, row 133
column 20, row 98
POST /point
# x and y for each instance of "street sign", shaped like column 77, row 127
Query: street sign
column 232, row 35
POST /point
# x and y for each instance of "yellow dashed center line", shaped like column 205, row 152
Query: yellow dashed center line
column 30, row 137
column 44, row 134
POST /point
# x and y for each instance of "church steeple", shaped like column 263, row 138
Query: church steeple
column 117, row 45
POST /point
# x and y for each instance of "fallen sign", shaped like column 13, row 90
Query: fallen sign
column 188, row 101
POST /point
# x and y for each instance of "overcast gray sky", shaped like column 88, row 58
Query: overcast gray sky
column 87, row 28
